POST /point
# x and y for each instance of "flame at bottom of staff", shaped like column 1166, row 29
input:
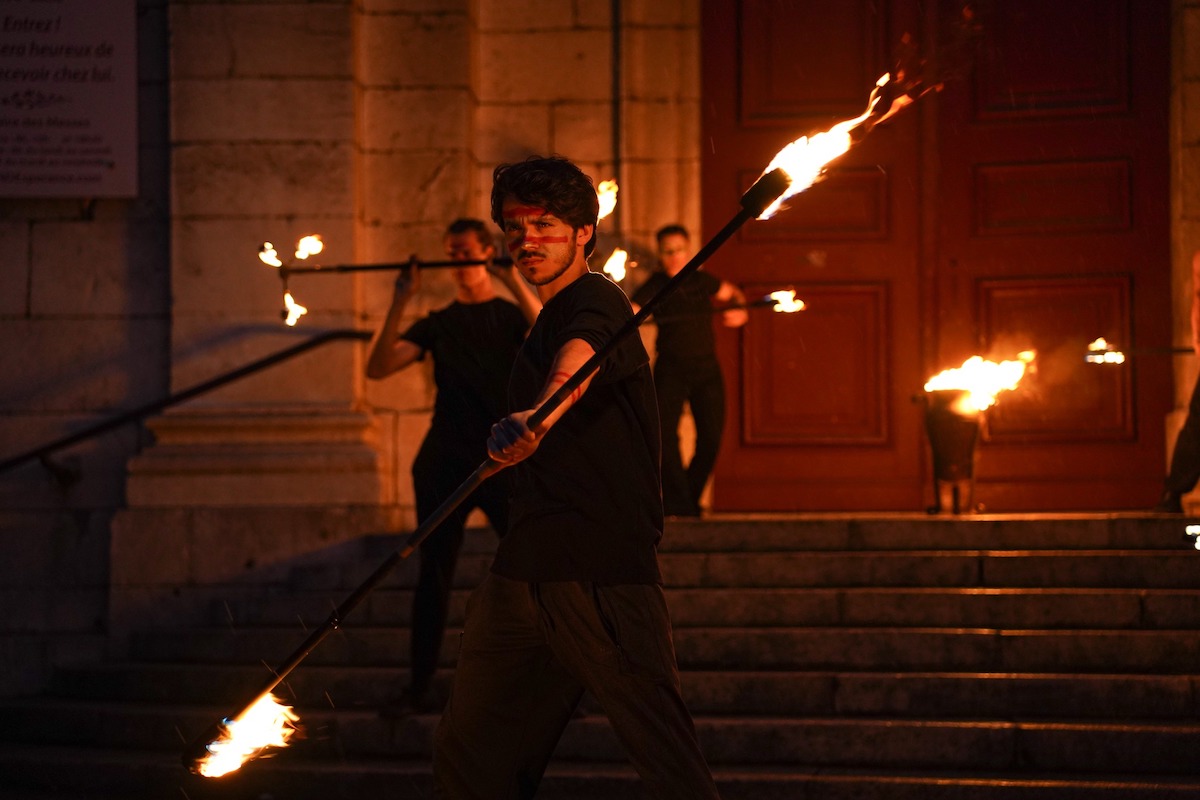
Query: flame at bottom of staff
column 1193, row 533
column 292, row 311
column 267, row 723
column 981, row 380
column 786, row 302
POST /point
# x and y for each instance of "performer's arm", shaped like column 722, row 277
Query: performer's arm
column 729, row 294
column 390, row 353
column 512, row 441
column 527, row 301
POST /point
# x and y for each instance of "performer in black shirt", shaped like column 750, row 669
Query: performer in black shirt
column 574, row 600
column 686, row 368
column 473, row 342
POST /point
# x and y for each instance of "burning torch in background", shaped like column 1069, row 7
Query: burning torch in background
column 794, row 169
column 955, row 400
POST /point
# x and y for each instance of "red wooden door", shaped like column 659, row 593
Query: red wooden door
column 1024, row 206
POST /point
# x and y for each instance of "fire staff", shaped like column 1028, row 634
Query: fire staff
column 473, row 342
column 574, row 600
column 686, row 369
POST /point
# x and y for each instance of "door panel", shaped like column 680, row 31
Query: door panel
column 1023, row 206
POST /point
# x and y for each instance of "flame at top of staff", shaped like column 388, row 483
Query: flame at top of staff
column 786, row 302
column 267, row 723
column 805, row 159
column 1101, row 352
column 309, row 245
column 606, row 193
column 269, row 255
column 615, row 266
column 982, row 379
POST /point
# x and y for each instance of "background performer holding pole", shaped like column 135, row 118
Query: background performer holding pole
column 473, row 342
column 1185, row 458
column 574, row 599
column 686, row 369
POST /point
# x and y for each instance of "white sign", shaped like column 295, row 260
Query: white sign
column 68, row 98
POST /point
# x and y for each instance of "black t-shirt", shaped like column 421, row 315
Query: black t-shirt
column 473, row 347
column 684, row 318
column 587, row 506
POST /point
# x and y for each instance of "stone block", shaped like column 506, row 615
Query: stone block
column 1191, row 43
column 414, row 6
column 1189, row 180
column 662, row 63
column 1190, row 113
column 506, row 132
column 82, row 364
column 413, row 186
column 415, row 118
column 98, row 269
column 665, row 130
column 262, row 110
column 324, row 376
column 256, row 457
column 584, row 130
column 151, row 548
column 407, row 391
column 681, row 13
column 15, row 268
column 523, row 16
column 250, row 179
column 406, row 50
column 582, row 67
column 594, row 14
column 297, row 40
column 217, row 272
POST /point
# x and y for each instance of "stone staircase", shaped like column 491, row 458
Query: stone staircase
column 825, row 658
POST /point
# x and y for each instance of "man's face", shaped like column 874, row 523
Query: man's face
column 541, row 245
column 673, row 252
column 467, row 247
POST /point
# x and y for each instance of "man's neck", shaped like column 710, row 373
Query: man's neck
column 572, row 274
column 476, row 293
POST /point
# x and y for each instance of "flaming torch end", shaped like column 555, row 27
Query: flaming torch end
column 196, row 754
column 765, row 191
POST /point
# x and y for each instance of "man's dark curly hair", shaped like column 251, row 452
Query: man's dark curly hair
column 553, row 183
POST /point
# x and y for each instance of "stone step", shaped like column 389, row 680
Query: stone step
column 853, row 606
column 1179, row 569
column 134, row 776
column 929, row 695
column 822, row 648
column 1127, row 748
column 773, row 532
column 727, row 532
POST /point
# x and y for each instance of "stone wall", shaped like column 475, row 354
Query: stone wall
column 85, row 325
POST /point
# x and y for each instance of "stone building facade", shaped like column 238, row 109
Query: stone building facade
column 372, row 123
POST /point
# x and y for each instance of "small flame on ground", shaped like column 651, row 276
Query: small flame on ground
column 1101, row 352
column 805, row 159
column 606, row 193
column 267, row 723
column 310, row 245
column 982, row 379
column 294, row 310
column 268, row 255
column 615, row 266
column 786, row 302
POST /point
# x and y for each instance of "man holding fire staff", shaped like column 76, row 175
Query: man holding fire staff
column 473, row 342
column 1185, row 458
column 574, row 599
column 686, row 368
